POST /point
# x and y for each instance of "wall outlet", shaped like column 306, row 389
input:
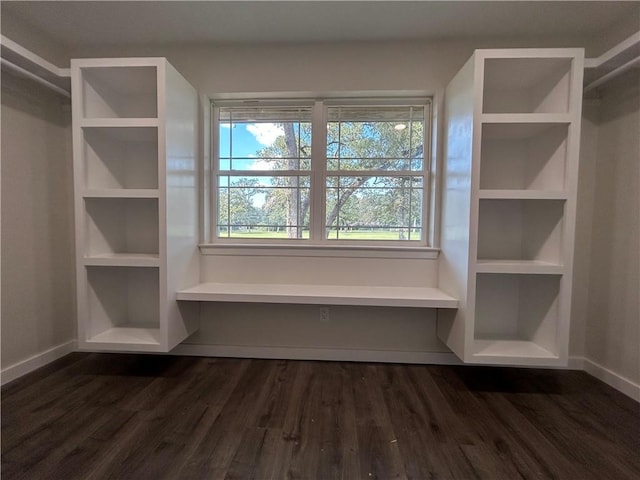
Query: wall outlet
column 324, row 314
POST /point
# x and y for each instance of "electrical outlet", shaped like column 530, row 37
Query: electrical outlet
column 324, row 314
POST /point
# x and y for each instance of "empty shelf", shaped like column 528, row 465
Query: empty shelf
column 128, row 335
column 320, row 294
column 123, row 260
column 518, row 266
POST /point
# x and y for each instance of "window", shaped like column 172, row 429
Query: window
column 322, row 172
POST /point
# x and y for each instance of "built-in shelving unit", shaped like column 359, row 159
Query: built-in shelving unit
column 135, row 134
column 510, row 176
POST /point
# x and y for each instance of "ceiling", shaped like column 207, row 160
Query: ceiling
column 239, row 22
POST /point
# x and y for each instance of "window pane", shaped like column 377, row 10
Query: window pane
column 264, row 138
column 263, row 206
column 375, row 138
column 374, row 208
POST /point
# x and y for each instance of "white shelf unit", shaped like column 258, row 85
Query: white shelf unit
column 135, row 176
column 508, row 221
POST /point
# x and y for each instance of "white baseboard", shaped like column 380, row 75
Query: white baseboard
column 575, row 363
column 613, row 379
column 303, row 353
column 620, row 383
column 23, row 367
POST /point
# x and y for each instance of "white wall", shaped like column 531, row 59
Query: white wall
column 612, row 331
column 38, row 310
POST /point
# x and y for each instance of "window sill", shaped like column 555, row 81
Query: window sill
column 353, row 251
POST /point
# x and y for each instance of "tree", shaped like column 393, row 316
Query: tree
column 285, row 154
column 236, row 204
column 364, row 199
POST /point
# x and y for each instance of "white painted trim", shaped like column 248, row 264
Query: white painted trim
column 309, row 250
column 575, row 363
column 613, row 379
column 609, row 377
column 331, row 354
column 30, row 364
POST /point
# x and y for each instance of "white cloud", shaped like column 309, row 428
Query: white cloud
column 265, row 133
column 260, row 164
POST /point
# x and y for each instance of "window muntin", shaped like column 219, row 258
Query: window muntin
column 375, row 138
column 263, row 172
column 380, row 143
column 365, row 184
column 374, row 207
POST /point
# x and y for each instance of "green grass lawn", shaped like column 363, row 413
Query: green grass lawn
column 344, row 235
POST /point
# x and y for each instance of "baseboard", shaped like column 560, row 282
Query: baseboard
column 575, row 363
column 23, row 367
column 612, row 379
column 303, row 353
column 609, row 377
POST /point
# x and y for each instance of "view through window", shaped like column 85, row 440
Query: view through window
column 362, row 179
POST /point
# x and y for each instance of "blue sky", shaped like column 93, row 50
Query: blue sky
column 248, row 140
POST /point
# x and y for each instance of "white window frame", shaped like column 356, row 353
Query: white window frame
column 319, row 173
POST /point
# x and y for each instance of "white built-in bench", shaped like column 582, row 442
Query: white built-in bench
column 424, row 297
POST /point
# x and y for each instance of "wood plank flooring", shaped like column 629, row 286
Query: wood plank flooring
column 117, row 416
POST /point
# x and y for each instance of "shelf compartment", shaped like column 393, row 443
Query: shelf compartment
column 523, row 156
column 123, row 305
column 510, row 350
column 517, row 315
column 520, row 230
column 119, row 92
column 121, row 157
column 119, row 336
column 121, row 226
column 526, row 85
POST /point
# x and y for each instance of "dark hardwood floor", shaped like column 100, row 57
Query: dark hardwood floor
column 102, row 416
